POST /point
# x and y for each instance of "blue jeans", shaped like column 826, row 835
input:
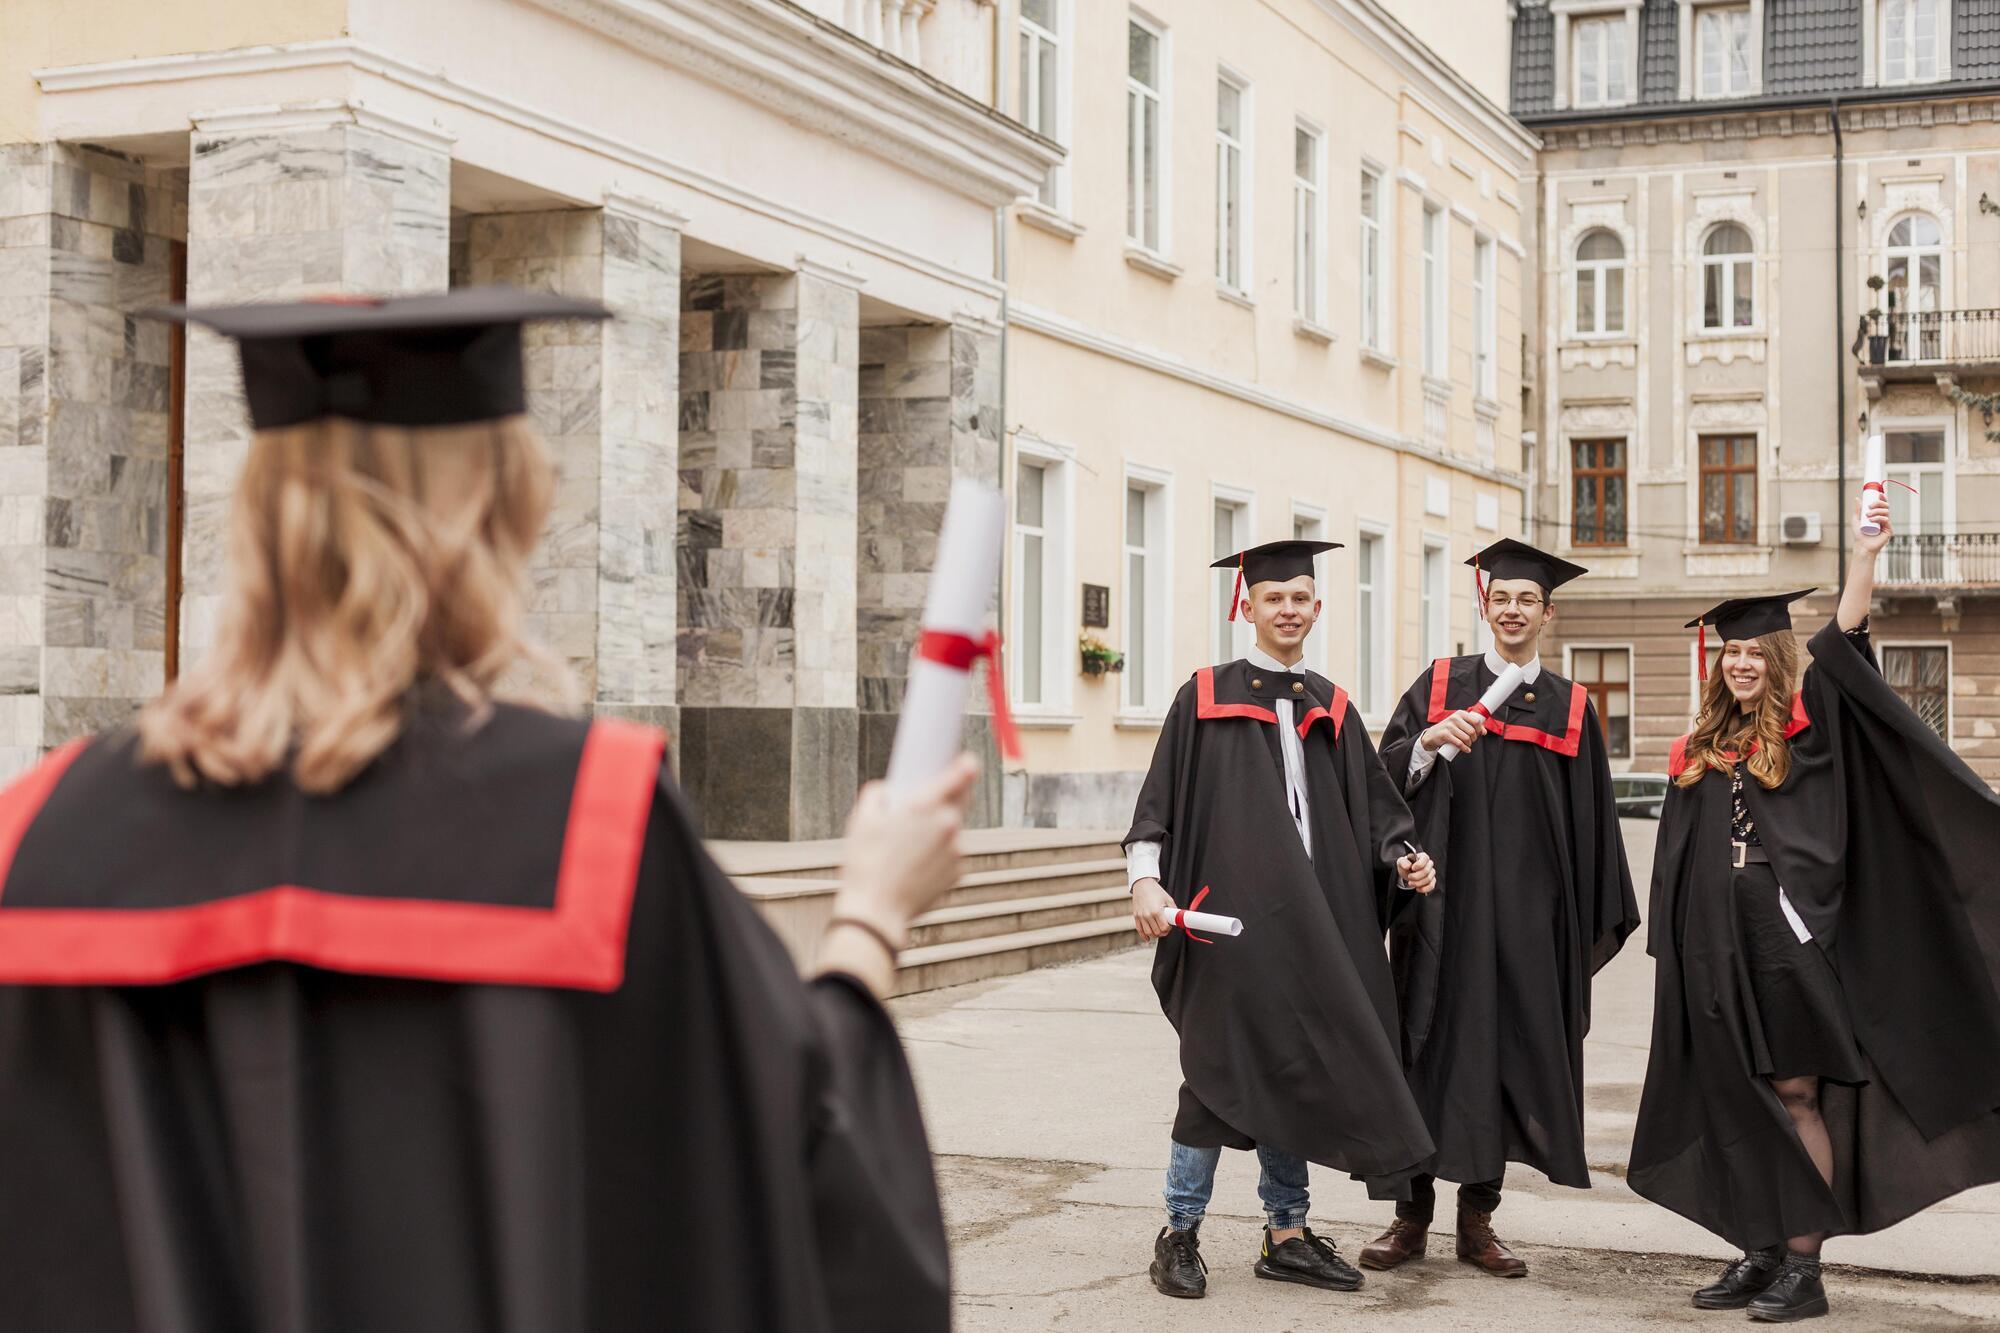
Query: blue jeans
column 1281, row 1184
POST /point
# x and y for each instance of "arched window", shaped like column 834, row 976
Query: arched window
column 1600, row 283
column 1914, row 269
column 1726, row 279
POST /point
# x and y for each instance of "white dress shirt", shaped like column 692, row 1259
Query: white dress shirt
column 1421, row 759
column 1142, row 859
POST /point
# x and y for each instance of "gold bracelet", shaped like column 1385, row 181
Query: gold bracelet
column 873, row 931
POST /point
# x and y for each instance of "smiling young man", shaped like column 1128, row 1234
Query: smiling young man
column 1266, row 802
column 1493, row 972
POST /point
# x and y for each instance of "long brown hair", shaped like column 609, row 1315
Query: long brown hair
column 1718, row 729
column 362, row 560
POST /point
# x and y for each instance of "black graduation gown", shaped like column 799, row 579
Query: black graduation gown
column 1885, row 843
column 1493, row 970
column 484, row 1042
column 1288, row 1030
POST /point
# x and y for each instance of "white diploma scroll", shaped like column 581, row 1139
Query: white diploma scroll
column 1873, row 475
column 1208, row 921
column 930, row 731
column 1499, row 692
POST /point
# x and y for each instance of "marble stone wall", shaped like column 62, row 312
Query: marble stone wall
column 603, row 396
column 767, row 632
column 276, row 214
column 86, row 242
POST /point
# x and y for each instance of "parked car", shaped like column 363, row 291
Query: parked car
column 1639, row 795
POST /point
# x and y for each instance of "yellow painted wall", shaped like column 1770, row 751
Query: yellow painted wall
column 37, row 34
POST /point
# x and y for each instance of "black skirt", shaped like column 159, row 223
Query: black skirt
column 1798, row 1012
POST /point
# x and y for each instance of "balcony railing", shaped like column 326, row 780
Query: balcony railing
column 889, row 24
column 1939, row 559
column 1906, row 337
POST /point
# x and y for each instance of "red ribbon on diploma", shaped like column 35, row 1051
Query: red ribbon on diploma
column 1180, row 917
column 959, row 652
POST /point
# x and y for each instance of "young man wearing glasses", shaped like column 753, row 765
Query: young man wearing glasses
column 1493, row 971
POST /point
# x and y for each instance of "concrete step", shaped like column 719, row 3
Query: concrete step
column 935, row 965
column 981, row 850
column 985, row 886
column 1007, row 916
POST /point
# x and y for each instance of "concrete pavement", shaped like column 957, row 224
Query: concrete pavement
column 1049, row 1098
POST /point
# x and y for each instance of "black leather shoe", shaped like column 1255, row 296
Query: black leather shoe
column 1307, row 1259
column 1795, row 1293
column 1741, row 1280
column 1178, row 1268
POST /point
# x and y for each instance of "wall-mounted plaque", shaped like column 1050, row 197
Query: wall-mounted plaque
column 1096, row 606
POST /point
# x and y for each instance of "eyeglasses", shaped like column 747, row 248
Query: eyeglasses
column 1500, row 601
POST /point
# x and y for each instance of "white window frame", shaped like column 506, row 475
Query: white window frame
column 1156, row 210
column 1246, row 177
column 1434, row 607
column 1485, row 317
column 1374, row 703
column 1950, row 694
column 1691, row 86
column 1875, row 54
column 1372, row 277
column 1597, row 272
column 1913, row 257
column 1728, row 264
column 1056, row 190
column 1941, row 479
column 1153, row 695
column 1313, row 517
column 1568, row 13
column 1631, row 689
column 1227, row 640
column 1435, row 259
column 1605, row 96
column 1058, row 466
column 1309, row 227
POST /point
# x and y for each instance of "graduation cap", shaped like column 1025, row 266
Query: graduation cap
column 1273, row 562
column 1745, row 618
column 437, row 360
column 1509, row 559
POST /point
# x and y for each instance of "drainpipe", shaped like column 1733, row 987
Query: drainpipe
column 1839, row 343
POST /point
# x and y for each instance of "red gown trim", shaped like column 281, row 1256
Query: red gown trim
column 1566, row 744
column 1336, row 715
column 1206, row 707
column 1677, row 752
column 578, row 944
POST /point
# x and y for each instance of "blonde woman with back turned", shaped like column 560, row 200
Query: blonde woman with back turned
column 1826, row 1022
column 339, row 993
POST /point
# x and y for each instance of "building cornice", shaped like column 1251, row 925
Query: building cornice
column 1860, row 110
column 227, row 122
column 1063, row 329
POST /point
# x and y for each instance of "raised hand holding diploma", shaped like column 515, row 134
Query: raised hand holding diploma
column 1874, row 474
column 1496, row 694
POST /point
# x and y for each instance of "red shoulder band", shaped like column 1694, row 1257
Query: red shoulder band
column 1566, row 744
column 1677, row 760
column 577, row 944
column 1336, row 715
column 1206, row 707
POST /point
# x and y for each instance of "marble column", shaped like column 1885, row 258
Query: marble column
column 930, row 414
column 278, row 214
column 768, row 418
column 603, row 395
column 86, row 241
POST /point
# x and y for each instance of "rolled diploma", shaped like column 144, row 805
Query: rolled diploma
column 931, row 728
column 1208, row 921
column 1873, row 473
column 1499, row 692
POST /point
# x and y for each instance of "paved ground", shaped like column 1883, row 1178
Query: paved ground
column 1049, row 1097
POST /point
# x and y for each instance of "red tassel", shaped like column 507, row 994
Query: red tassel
column 1236, row 593
column 1478, row 588
column 1701, row 648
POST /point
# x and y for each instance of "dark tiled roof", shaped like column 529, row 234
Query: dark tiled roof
column 1534, row 77
column 1811, row 46
column 1975, row 40
column 1659, row 34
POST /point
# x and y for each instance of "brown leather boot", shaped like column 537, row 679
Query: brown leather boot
column 1477, row 1245
column 1403, row 1240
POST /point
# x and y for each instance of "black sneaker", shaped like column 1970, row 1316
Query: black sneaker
column 1741, row 1280
column 1178, row 1268
column 1308, row 1259
column 1795, row 1293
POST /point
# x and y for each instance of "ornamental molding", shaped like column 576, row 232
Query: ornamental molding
column 1588, row 214
column 1708, row 124
column 1726, row 349
column 1712, row 209
column 1727, row 413
column 1726, row 564
column 1911, row 401
column 1623, row 353
column 331, row 113
column 1591, row 418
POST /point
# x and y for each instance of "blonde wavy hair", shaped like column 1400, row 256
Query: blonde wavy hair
column 363, row 561
column 1718, row 729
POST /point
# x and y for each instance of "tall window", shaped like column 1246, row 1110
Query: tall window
column 1305, row 223
column 1727, row 279
column 1485, row 317
column 1914, row 262
column 1600, row 283
column 1041, row 91
column 1144, row 80
column 1597, row 470
column 1436, row 311
column 1607, row 674
column 1909, row 40
column 1231, row 526
column 1230, row 97
column 1916, row 458
column 1599, row 61
column 1722, row 51
column 1922, row 676
column 1370, row 621
column 1373, row 318
column 1436, row 602
column 1146, row 580
column 1030, row 580
column 1729, row 488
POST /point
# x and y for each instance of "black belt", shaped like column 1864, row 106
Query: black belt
column 1747, row 853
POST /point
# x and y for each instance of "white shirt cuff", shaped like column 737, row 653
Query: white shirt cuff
column 1142, row 861
column 1420, row 765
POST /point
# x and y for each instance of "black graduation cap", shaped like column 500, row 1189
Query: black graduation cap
column 1745, row 618
column 435, row 360
column 1510, row 559
column 1277, row 562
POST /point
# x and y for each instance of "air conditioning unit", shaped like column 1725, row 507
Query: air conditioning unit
column 1799, row 529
